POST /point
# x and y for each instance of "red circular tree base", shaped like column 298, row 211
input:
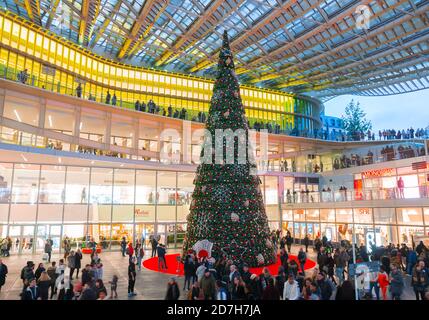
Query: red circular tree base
column 89, row 250
column 173, row 265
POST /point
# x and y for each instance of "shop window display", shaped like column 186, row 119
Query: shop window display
column 119, row 231
column 409, row 216
column 76, row 233
column 388, row 234
column 406, row 234
column 330, row 231
column 327, row 215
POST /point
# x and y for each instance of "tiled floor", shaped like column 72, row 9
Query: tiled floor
column 150, row 285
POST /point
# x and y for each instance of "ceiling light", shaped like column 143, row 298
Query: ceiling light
column 50, row 120
column 17, row 115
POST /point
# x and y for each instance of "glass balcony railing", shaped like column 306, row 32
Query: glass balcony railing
column 418, row 192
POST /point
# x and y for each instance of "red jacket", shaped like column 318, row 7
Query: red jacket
column 130, row 250
column 383, row 280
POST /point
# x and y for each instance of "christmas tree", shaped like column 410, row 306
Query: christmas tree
column 227, row 207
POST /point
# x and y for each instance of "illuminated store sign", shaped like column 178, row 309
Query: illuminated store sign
column 377, row 173
column 364, row 211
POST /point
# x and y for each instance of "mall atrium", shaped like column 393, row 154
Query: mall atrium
column 80, row 158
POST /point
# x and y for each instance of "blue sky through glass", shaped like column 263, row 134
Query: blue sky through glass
column 390, row 112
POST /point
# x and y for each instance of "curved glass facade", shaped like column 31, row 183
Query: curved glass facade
column 58, row 65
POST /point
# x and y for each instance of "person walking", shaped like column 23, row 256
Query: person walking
column 420, row 280
column 189, row 270
column 130, row 251
column 71, row 263
column 291, row 288
column 173, row 292
column 302, row 258
column 3, row 274
column 154, row 244
column 32, row 292
column 208, row 285
column 123, row 246
column 44, row 283
column 77, row 261
column 383, row 282
column 53, row 276
column 139, row 255
column 48, row 249
column 396, row 283
column 131, row 278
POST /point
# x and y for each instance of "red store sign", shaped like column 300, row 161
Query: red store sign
column 377, row 173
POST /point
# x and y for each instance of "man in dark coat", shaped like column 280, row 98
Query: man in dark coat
column 32, row 292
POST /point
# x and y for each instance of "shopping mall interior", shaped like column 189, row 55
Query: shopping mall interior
column 102, row 104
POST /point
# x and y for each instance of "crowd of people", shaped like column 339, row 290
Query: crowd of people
column 206, row 278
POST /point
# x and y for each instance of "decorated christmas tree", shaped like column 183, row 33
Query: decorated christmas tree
column 227, row 213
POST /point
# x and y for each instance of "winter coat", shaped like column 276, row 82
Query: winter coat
column 3, row 273
column 271, row 293
column 173, row 292
column 396, row 283
column 208, row 286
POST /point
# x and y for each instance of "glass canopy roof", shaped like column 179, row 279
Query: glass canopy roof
column 313, row 47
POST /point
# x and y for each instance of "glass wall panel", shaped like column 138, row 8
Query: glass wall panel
column 50, row 213
column 384, row 215
column 344, row 215
column 122, row 131
column 272, row 212
column 299, row 215
column 59, row 117
column 22, row 109
column 5, row 182
column 385, row 235
column 75, row 213
column 76, row 233
column 312, row 215
column 271, row 190
column 77, row 185
column 287, row 215
column 101, row 185
column 406, row 234
column 4, row 213
column 123, row 186
column 123, row 213
column 92, row 125
column 100, row 213
column 25, row 183
column 52, row 188
column 426, row 216
column 23, row 213
column 166, row 188
column 410, row 216
column 362, row 215
column 185, row 188
column 120, row 230
column 144, row 212
column 145, row 187
column 327, row 215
